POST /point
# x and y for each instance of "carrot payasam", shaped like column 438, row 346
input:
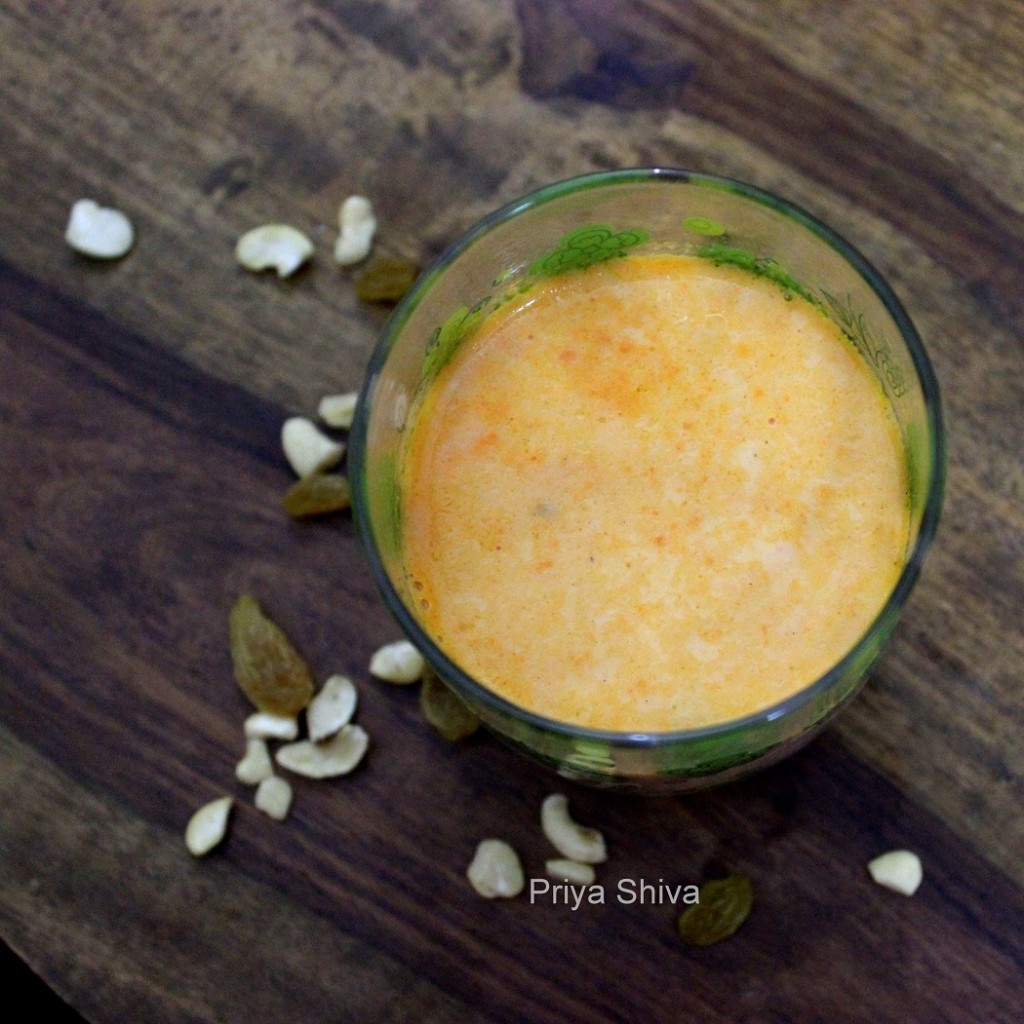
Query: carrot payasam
column 654, row 494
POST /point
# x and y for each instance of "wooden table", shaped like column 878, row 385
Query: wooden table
column 142, row 402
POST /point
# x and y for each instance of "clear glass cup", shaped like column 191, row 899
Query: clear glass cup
column 602, row 216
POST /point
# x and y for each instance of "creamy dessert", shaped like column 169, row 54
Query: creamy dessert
column 650, row 495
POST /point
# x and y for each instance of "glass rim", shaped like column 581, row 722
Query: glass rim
column 642, row 739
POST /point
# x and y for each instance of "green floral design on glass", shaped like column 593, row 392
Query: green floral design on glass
column 917, row 466
column 876, row 350
column 594, row 243
column 581, row 248
column 446, row 338
column 762, row 266
column 704, row 226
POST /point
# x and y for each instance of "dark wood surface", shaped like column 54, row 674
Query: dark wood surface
column 141, row 406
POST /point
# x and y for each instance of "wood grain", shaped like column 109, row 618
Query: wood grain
column 140, row 405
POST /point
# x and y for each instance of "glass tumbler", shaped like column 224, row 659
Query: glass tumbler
column 571, row 225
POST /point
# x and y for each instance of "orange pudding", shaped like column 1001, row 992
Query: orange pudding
column 654, row 494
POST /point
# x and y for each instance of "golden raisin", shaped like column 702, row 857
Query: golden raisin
column 723, row 906
column 445, row 711
column 271, row 673
column 386, row 279
column 317, row 495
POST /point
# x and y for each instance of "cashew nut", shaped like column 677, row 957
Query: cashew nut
column 572, row 840
column 495, row 870
column 571, row 871
column 274, row 797
column 331, row 708
column 398, row 662
column 307, row 449
column 273, row 246
column 899, row 870
column 338, row 410
column 266, row 726
column 337, row 756
column 256, row 765
column 98, row 231
column 358, row 224
column 208, row 826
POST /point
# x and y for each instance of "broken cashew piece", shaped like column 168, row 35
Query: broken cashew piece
column 274, row 797
column 98, row 231
column 495, row 871
column 265, row 726
column 256, row 765
column 569, row 838
column 307, row 449
column 337, row 756
column 358, row 225
column 899, row 870
column 338, row 410
column 208, row 826
column 398, row 662
column 331, row 709
column 570, row 871
column 277, row 247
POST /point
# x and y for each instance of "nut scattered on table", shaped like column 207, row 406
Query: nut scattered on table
column 398, row 662
column 573, row 871
column 307, row 448
column 256, row 765
column 331, row 709
column 98, row 231
column 277, row 247
column 338, row 410
column 265, row 726
column 337, row 756
column 357, row 224
column 208, row 826
column 495, row 871
column 274, row 797
column 899, row 870
column 570, row 839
